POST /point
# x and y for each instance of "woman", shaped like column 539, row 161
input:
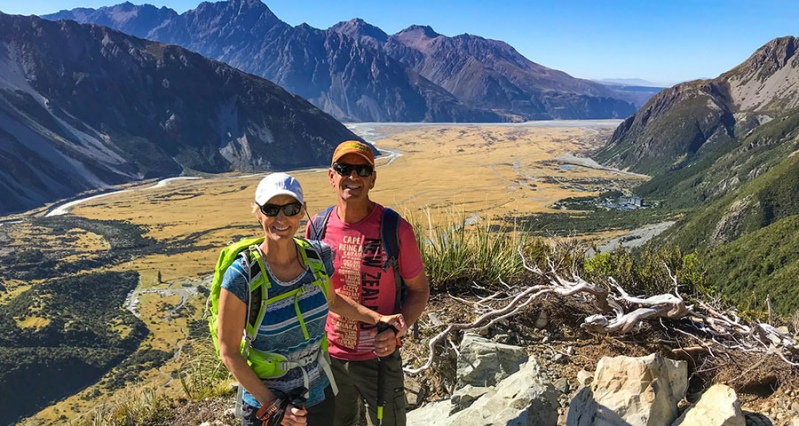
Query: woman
column 292, row 327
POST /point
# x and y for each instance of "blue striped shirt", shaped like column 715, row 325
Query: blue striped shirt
column 280, row 331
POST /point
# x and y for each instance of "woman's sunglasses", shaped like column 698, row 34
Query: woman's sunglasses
column 363, row 170
column 272, row 210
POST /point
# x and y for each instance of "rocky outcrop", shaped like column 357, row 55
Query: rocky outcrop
column 768, row 81
column 718, row 406
column 355, row 71
column 731, row 224
column 85, row 107
column 631, row 391
column 514, row 390
column 499, row 385
column 483, row 363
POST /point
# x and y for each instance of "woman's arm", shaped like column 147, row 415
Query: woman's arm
column 232, row 315
column 346, row 307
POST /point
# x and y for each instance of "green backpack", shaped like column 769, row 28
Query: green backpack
column 266, row 365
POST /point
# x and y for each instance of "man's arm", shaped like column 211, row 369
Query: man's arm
column 416, row 300
column 387, row 341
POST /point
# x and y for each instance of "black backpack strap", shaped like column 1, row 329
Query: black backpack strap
column 256, row 295
column 389, row 236
column 319, row 224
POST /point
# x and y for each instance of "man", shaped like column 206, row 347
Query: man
column 360, row 355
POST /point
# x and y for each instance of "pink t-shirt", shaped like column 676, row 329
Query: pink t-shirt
column 358, row 258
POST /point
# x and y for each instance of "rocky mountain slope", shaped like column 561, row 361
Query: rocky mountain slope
column 686, row 123
column 84, row 107
column 491, row 74
column 350, row 72
column 704, row 139
column 724, row 150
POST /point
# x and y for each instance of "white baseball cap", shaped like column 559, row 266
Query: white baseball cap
column 278, row 184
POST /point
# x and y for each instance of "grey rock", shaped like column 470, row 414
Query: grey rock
column 484, row 363
column 541, row 321
column 584, row 378
column 718, row 406
column 631, row 391
column 562, row 385
column 521, row 399
column 465, row 397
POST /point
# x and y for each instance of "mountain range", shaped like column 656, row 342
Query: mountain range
column 356, row 72
column 726, row 151
column 85, row 107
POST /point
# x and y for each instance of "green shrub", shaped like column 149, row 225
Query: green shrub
column 134, row 406
column 203, row 374
column 647, row 273
column 458, row 253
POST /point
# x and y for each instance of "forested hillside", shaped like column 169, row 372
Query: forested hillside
column 69, row 328
column 723, row 153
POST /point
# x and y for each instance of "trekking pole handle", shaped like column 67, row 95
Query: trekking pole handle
column 383, row 326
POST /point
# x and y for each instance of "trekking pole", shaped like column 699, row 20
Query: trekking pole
column 381, row 377
column 381, row 398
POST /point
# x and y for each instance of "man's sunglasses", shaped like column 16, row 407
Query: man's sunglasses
column 363, row 170
column 272, row 210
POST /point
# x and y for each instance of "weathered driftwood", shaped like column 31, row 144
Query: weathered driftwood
column 619, row 313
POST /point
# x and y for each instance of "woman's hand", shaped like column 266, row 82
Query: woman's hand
column 295, row 416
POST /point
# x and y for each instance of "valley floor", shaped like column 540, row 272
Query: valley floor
column 433, row 172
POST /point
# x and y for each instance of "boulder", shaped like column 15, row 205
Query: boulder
column 464, row 398
column 542, row 320
column 525, row 398
column 718, row 406
column 584, row 377
column 483, row 363
column 434, row 413
column 631, row 391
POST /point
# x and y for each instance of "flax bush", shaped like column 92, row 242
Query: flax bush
column 133, row 406
column 203, row 374
column 458, row 253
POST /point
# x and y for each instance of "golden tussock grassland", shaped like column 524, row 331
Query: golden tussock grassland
column 489, row 171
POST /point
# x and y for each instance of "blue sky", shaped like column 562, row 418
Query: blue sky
column 657, row 40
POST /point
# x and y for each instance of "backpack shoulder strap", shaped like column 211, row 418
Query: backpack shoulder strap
column 389, row 237
column 312, row 258
column 389, row 232
column 259, row 296
column 227, row 256
column 258, row 292
column 319, row 224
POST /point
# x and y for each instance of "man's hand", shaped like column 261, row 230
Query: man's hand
column 295, row 416
column 386, row 340
column 396, row 321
